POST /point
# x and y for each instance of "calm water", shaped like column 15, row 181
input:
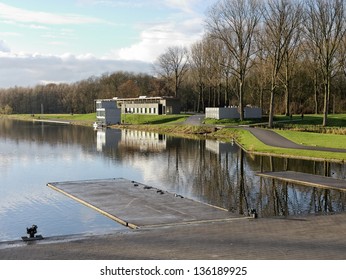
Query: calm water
column 33, row 154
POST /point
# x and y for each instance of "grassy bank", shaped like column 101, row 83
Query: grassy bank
column 309, row 123
column 315, row 139
column 78, row 119
column 251, row 144
column 136, row 119
column 294, row 129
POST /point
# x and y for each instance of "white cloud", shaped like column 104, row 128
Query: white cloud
column 183, row 5
column 13, row 14
column 119, row 3
column 156, row 39
column 23, row 69
column 9, row 34
column 4, row 47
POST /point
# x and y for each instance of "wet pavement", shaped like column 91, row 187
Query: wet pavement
column 305, row 179
column 271, row 138
column 306, row 238
column 179, row 228
column 137, row 205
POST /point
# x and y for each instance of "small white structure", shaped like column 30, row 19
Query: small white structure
column 232, row 113
column 252, row 112
column 222, row 113
column 107, row 112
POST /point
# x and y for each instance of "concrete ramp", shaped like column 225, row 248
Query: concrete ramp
column 137, row 205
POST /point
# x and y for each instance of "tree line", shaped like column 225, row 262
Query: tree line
column 77, row 97
column 285, row 56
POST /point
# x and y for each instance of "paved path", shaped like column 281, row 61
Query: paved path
column 313, row 237
column 271, row 138
column 195, row 119
column 268, row 137
column 305, row 179
column 137, row 205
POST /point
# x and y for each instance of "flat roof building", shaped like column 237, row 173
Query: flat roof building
column 149, row 105
column 107, row 112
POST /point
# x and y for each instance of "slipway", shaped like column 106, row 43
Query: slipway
column 137, row 205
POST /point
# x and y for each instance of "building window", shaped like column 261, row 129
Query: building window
column 100, row 113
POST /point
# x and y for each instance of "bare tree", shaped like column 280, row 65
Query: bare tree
column 172, row 66
column 213, row 54
column 325, row 30
column 281, row 19
column 198, row 69
column 234, row 22
column 290, row 59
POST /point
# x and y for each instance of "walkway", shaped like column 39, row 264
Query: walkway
column 305, row 179
column 312, row 237
column 271, row 138
column 137, row 205
column 195, row 119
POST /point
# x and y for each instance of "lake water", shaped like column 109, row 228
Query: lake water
column 33, row 154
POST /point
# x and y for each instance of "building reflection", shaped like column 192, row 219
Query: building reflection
column 218, row 147
column 143, row 140
column 222, row 174
column 107, row 138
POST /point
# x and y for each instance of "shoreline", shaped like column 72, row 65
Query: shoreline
column 310, row 237
column 213, row 132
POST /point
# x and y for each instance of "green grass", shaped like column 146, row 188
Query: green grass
column 337, row 120
column 138, row 119
column 232, row 122
column 293, row 130
column 252, row 144
column 74, row 117
column 315, row 139
column 81, row 119
column 336, row 124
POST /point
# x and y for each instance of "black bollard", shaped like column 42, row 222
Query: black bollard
column 32, row 231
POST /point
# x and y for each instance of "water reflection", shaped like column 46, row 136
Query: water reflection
column 32, row 154
column 224, row 175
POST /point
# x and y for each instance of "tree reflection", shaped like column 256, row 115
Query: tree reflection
column 217, row 173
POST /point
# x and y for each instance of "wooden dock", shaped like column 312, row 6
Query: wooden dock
column 305, row 179
column 137, row 205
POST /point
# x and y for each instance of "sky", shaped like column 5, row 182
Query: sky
column 44, row 41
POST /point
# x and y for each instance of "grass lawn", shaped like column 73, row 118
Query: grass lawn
column 138, row 119
column 293, row 130
column 337, row 120
column 315, row 139
column 74, row 117
column 233, row 122
column 336, row 124
column 309, row 122
column 81, row 119
column 252, row 144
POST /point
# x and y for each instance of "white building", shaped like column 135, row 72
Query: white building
column 107, row 112
column 232, row 113
column 149, row 105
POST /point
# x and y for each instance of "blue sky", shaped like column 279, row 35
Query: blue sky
column 45, row 41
